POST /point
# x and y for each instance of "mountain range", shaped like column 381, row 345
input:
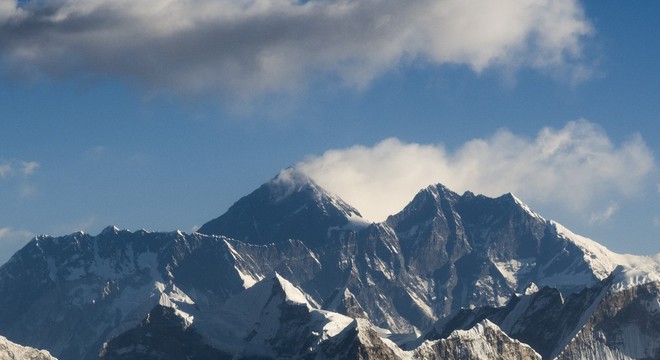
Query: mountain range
column 291, row 271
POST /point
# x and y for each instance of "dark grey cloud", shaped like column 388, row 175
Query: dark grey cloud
column 248, row 47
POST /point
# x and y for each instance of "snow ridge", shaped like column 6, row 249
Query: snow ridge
column 631, row 270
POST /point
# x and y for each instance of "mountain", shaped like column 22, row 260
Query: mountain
column 498, row 241
column 10, row 350
column 292, row 271
column 290, row 206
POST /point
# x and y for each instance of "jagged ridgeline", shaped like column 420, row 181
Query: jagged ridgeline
column 291, row 271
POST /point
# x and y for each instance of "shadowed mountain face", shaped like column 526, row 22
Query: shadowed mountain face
column 319, row 280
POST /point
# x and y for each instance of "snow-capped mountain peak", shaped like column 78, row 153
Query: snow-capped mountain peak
column 290, row 206
column 289, row 181
column 109, row 230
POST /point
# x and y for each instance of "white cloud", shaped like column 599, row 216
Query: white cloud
column 604, row 215
column 574, row 167
column 256, row 46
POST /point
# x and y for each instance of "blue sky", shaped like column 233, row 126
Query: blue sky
column 106, row 120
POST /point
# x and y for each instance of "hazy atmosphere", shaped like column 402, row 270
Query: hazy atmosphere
column 161, row 114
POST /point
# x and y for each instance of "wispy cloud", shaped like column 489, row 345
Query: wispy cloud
column 250, row 47
column 604, row 215
column 27, row 190
column 29, row 167
column 16, row 174
column 574, row 167
column 11, row 234
column 17, row 167
column 84, row 224
column 5, row 169
column 95, row 153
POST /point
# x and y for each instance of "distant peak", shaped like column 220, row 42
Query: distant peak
column 289, row 181
column 109, row 230
column 292, row 180
column 289, row 206
column 291, row 176
column 437, row 192
column 440, row 190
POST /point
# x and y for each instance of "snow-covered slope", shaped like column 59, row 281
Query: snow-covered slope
column 632, row 270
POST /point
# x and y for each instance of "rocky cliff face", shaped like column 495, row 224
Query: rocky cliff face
column 482, row 341
column 600, row 322
column 624, row 325
column 10, row 350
